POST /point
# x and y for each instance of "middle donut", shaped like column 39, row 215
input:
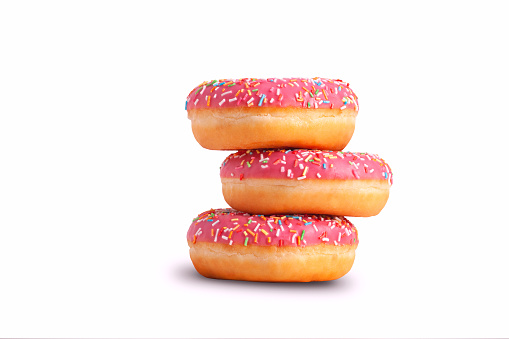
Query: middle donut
column 306, row 181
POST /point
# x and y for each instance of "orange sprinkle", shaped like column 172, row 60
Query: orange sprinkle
column 268, row 240
column 250, row 232
column 212, row 231
column 256, row 238
column 298, row 241
column 194, row 239
column 325, row 94
column 208, row 100
column 230, row 236
column 293, row 231
column 237, row 94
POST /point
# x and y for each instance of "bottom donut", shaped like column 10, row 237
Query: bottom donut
column 228, row 244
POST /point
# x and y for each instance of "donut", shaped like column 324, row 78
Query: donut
column 306, row 181
column 228, row 244
column 233, row 114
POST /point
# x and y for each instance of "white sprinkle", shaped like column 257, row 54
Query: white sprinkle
column 318, row 175
column 339, row 237
column 215, row 95
column 217, row 232
column 265, row 166
column 277, row 233
column 316, row 229
column 226, row 93
column 250, row 100
column 342, row 107
column 222, row 102
column 289, row 172
column 224, row 237
column 196, row 101
column 282, row 228
column 278, row 91
column 256, row 228
column 232, row 99
column 215, row 223
column 231, row 241
column 301, row 166
column 282, row 169
column 199, row 229
column 371, row 170
column 325, row 239
column 301, row 178
column 335, row 242
column 293, row 238
column 271, row 100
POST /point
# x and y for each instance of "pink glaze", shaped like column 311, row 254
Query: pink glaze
column 273, row 92
column 229, row 226
column 305, row 164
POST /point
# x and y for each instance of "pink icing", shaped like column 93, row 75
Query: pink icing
column 229, row 226
column 305, row 164
column 273, row 92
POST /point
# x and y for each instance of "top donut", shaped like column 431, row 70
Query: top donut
column 233, row 114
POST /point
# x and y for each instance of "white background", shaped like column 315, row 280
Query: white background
column 100, row 175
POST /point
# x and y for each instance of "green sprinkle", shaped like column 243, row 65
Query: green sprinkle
column 212, row 82
column 245, row 241
column 316, row 92
column 248, row 164
column 254, row 90
column 249, row 221
column 302, row 235
column 230, row 85
column 309, row 104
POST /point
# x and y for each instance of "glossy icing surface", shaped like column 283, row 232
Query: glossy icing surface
column 303, row 164
column 273, row 92
column 228, row 226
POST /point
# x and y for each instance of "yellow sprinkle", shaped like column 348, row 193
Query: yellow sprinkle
column 250, row 232
column 245, row 233
column 305, row 170
column 293, row 231
column 264, row 231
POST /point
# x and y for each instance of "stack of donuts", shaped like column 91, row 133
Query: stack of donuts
column 289, row 184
